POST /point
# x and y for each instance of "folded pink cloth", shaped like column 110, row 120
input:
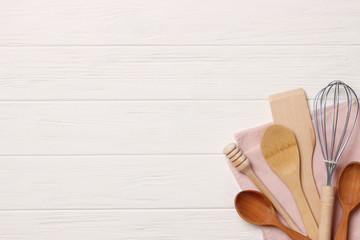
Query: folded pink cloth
column 249, row 143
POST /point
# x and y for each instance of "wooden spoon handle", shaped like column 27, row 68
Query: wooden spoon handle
column 291, row 233
column 341, row 232
column 250, row 173
column 326, row 212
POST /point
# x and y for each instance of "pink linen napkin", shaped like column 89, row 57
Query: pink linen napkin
column 249, row 143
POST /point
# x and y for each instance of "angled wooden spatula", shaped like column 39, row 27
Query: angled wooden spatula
column 291, row 110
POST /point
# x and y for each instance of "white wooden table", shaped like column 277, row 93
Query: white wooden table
column 114, row 113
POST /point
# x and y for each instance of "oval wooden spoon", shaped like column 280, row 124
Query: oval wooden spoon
column 348, row 188
column 254, row 207
column 279, row 147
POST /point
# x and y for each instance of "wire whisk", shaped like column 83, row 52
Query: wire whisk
column 331, row 144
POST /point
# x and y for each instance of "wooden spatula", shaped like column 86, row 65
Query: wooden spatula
column 291, row 110
column 279, row 147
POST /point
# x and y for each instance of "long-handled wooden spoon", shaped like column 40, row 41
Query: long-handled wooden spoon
column 279, row 147
column 254, row 207
column 348, row 188
column 291, row 110
column 242, row 164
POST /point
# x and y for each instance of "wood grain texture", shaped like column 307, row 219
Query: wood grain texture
column 206, row 224
column 155, row 73
column 111, row 127
column 162, row 22
column 102, row 101
column 116, row 182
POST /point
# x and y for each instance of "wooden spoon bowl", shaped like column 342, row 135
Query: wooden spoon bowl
column 254, row 207
column 349, row 184
column 279, row 147
column 348, row 188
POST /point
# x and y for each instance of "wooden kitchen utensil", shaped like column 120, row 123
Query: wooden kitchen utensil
column 254, row 207
column 279, row 147
column 348, row 188
column 291, row 110
column 242, row 164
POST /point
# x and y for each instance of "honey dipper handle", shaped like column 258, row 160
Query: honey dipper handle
column 326, row 212
column 258, row 183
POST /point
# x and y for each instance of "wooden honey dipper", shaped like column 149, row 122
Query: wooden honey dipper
column 242, row 164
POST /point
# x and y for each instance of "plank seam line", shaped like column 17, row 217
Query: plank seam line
column 137, row 100
column 110, row 154
column 117, row 209
column 182, row 45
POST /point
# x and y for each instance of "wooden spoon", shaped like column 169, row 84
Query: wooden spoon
column 242, row 164
column 254, row 207
column 348, row 188
column 279, row 147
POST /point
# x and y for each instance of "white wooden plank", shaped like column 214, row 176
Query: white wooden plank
column 159, row 22
column 204, row 224
column 135, row 127
column 122, row 73
column 116, row 182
